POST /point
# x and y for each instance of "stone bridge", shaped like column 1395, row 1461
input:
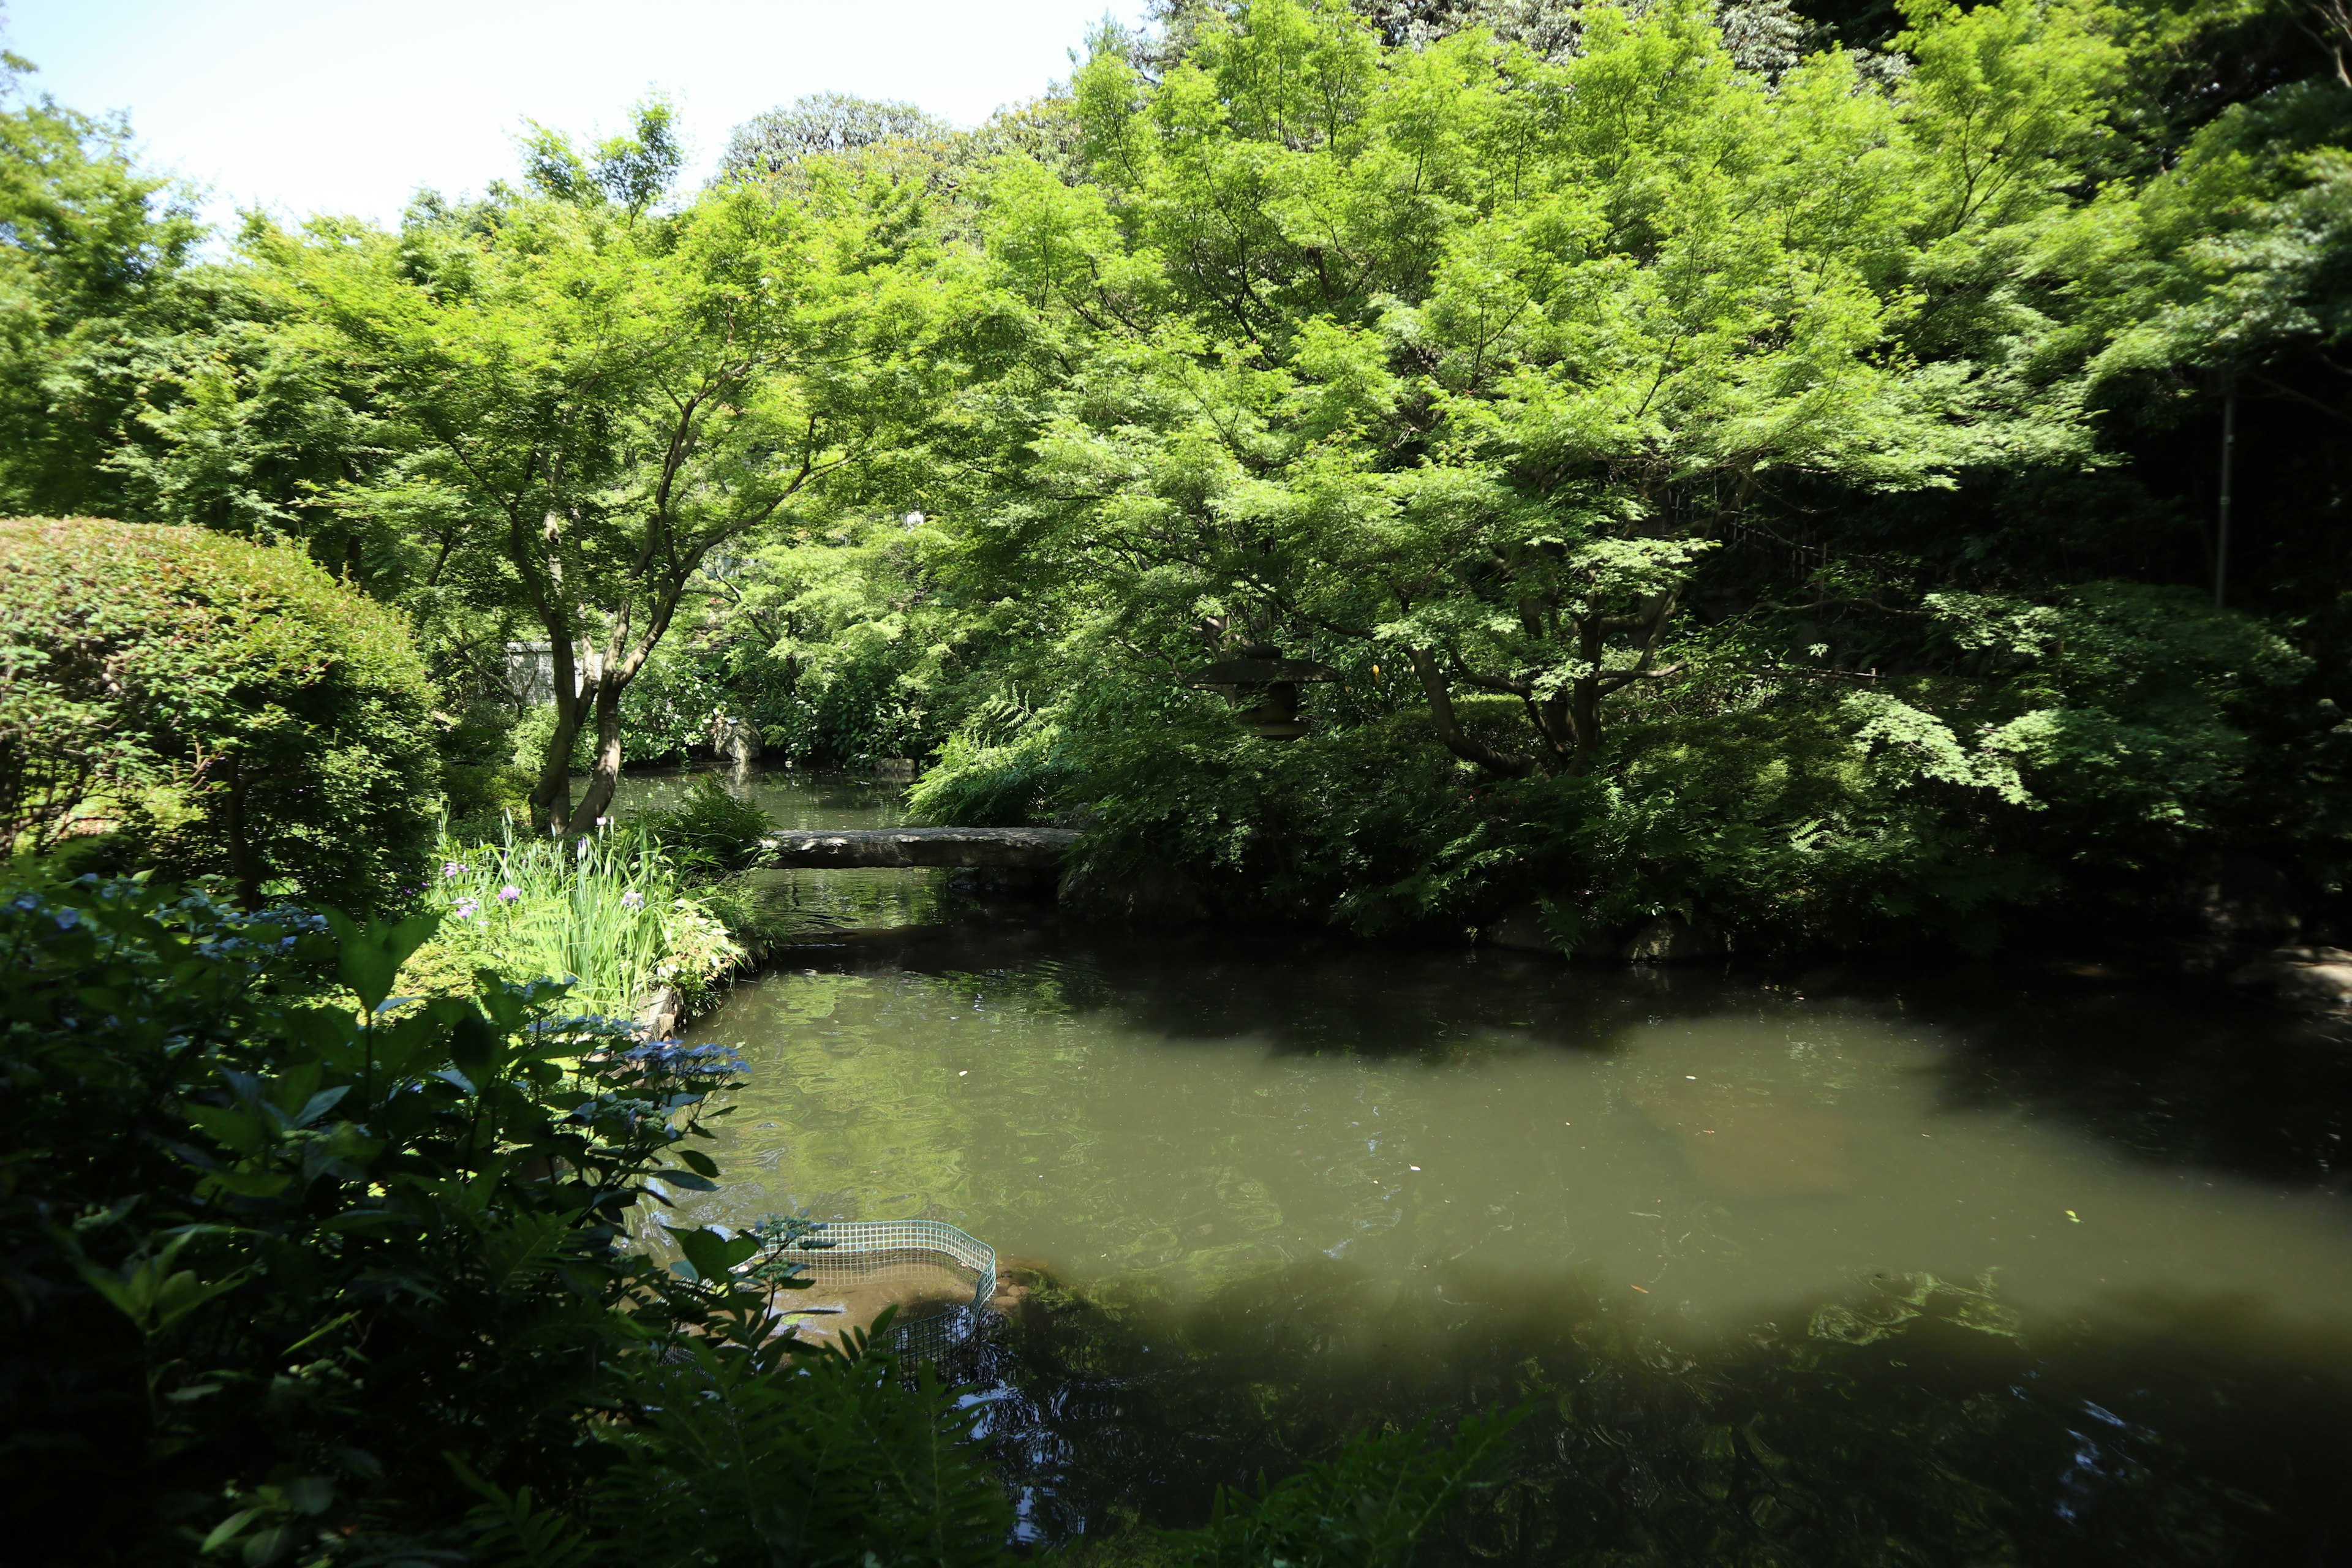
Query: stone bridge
column 1028, row 849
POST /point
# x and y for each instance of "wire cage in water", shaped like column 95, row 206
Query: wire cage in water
column 919, row 1265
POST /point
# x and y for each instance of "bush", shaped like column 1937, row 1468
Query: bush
column 482, row 792
column 535, row 729
column 667, row 709
column 290, row 1278
column 976, row 785
column 711, row 827
column 1370, row 1506
column 231, row 712
column 862, row 699
column 2089, row 746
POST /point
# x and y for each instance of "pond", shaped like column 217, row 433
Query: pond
column 815, row 901
column 1963, row 1266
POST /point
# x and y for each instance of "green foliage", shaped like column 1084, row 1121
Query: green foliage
column 669, row 707
column 533, row 732
column 1504, row 439
column 483, row 794
column 1617, row 381
column 711, row 827
column 608, row 911
column 1369, row 1508
column 2066, row 741
column 977, row 784
column 1735, row 485
column 230, row 711
column 1675, row 434
column 299, row 1272
column 600, row 395
column 630, row 170
column 90, row 250
column 844, row 657
column 841, row 1464
column 276, row 1247
column 818, row 124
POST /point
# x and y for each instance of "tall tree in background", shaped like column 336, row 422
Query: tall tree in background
column 90, row 250
column 821, row 124
column 606, row 394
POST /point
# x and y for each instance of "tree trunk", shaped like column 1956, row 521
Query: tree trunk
column 605, row 774
column 550, row 797
column 1584, row 694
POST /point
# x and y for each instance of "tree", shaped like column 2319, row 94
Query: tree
column 606, row 394
column 1478, row 357
column 90, row 253
column 820, row 122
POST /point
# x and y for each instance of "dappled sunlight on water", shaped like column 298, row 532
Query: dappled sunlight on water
column 1733, row 1153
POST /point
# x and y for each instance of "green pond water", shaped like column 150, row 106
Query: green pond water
column 1968, row 1265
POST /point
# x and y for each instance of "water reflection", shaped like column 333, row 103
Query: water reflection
column 794, row 797
column 817, row 906
column 1973, row 1274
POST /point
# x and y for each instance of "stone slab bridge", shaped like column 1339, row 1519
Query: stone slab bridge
column 1025, row 848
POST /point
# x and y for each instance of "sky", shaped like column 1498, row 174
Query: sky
column 303, row 106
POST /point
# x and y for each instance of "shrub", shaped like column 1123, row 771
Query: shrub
column 976, row 785
column 535, row 729
column 230, row 710
column 711, row 827
column 668, row 709
column 291, row 1278
column 1371, row 1505
column 479, row 794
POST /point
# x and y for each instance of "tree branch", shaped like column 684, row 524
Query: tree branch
column 1449, row 730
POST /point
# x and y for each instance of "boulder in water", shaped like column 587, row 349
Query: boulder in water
column 2313, row 980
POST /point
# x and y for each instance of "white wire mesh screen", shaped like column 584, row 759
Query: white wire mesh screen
column 865, row 1250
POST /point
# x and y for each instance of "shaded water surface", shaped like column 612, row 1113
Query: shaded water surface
column 1964, row 1267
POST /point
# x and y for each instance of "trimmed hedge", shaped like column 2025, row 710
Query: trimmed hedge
column 226, row 710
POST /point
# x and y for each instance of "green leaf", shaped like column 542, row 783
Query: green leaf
column 320, row 1103
column 476, row 1049
column 361, row 962
column 714, row 1256
column 369, row 957
column 226, row 1530
column 228, row 1127
column 310, row 1494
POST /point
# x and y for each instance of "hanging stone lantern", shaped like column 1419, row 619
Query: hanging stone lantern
column 1264, row 686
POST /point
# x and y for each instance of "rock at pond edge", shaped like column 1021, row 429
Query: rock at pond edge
column 2310, row 980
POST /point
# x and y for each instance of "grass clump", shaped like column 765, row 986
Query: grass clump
column 611, row 910
column 710, row 829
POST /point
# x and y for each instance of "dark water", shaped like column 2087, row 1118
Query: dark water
column 1970, row 1267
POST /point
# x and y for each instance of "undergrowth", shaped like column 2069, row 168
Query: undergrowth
column 612, row 912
